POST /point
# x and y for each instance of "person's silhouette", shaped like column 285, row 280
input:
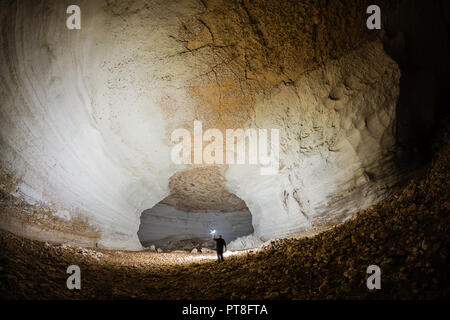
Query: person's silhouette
column 220, row 243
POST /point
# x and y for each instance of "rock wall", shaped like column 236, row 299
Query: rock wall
column 81, row 123
column 416, row 36
column 166, row 227
column 337, row 145
column 86, row 115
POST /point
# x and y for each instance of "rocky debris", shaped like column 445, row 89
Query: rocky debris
column 207, row 244
column 208, row 193
column 85, row 252
column 247, row 242
column 194, row 250
column 407, row 236
column 207, row 250
column 159, row 250
column 16, row 212
column 174, row 244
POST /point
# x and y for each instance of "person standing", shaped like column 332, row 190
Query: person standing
column 220, row 243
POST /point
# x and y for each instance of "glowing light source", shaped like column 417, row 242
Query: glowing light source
column 213, row 231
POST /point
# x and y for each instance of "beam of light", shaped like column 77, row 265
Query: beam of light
column 213, row 256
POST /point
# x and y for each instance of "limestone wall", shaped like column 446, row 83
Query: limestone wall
column 86, row 115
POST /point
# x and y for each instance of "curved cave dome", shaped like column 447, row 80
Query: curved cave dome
column 87, row 117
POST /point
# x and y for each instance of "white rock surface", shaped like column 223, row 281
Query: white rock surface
column 336, row 130
column 247, row 242
column 81, row 124
column 164, row 224
column 86, row 116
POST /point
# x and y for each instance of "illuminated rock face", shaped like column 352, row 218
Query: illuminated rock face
column 86, row 115
column 337, row 137
column 167, row 227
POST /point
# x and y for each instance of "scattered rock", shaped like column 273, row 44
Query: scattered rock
column 413, row 257
column 336, row 93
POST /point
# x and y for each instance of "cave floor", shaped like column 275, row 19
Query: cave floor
column 406, row 235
